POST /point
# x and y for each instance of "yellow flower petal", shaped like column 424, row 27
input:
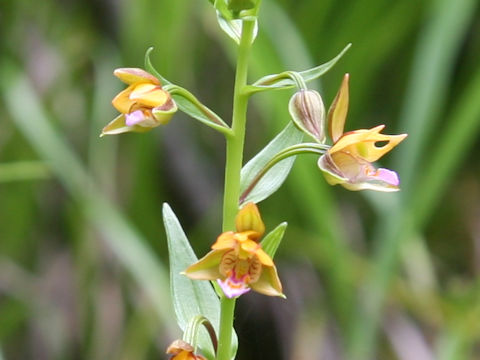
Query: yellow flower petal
column 207, row 268
column 338, row 111
column 135, row 75
column 361, row 143
column 122, row 101
column 149, row 95
column 226, row 240
column 249, row 219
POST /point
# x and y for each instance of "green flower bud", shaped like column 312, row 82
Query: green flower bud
column 308, row 113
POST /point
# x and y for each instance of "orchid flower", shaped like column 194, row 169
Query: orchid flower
column 349, row 161
column 237, row 261
column 143, row 104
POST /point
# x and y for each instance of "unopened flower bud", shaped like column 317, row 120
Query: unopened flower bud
column 249, row 219
column 308, row 113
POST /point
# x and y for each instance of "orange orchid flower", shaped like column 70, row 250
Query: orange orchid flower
column 237, row 261
column 143, row 104
column 349, row 161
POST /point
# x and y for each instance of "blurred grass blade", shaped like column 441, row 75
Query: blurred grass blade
column 23, row 170
column 462, row 130
column 127, row 244
column 433, row 65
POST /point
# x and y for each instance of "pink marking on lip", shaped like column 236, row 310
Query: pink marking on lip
column 232, row 288
column 134, row 118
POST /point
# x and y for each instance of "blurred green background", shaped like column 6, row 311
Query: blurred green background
column 83, row 263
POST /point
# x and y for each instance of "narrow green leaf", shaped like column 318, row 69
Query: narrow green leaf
column 271, row 242
column 191, row 106
column 252, row 189
column 190, row 297
column 284, row 81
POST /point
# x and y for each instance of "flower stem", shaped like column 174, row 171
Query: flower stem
column 235, row 142
column 226, row 325
column 233, row 166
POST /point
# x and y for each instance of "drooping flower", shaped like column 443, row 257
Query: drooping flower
column 237, row 261
column 349, row 161
column 182, row 350
column 143, row 105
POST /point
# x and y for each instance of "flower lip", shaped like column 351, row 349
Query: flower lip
column 233, row 288
column 134, row 118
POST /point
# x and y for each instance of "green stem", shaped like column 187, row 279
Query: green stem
column 226, row 325
column 235, row 142
column 233, row 166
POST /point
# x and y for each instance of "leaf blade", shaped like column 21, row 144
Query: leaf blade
column 282, row 81
column 272, row 240
column 274, row 178
column 190, row 297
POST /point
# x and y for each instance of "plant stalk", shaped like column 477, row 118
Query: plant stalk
column 233, row 166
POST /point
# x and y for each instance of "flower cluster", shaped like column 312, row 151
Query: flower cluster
column 237, row 261
column 143, row 105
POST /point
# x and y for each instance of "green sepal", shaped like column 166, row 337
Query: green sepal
column 256, row 191
column 284, row 80
column 190, row 298
column 272, row 240
column 187, row 102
